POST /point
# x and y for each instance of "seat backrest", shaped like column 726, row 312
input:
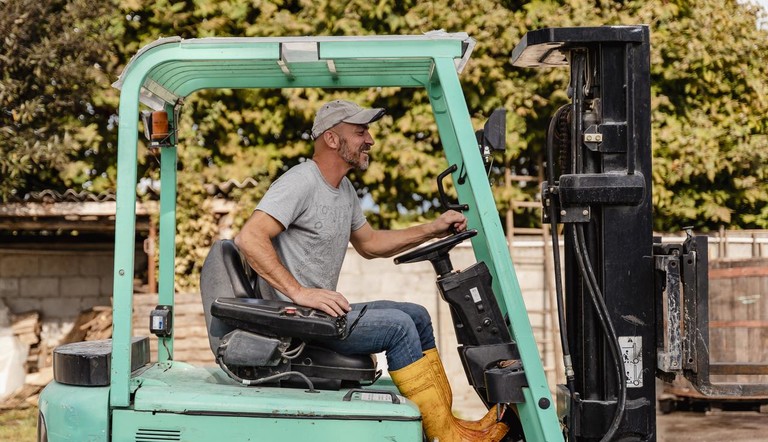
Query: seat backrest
column 241, row 275
column 225, row 274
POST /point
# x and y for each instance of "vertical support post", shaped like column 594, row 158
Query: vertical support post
column 538, row 412
column 168, row 162
column 125, row 227
column 125, row 240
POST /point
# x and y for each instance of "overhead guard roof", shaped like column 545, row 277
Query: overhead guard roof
column 173, row 67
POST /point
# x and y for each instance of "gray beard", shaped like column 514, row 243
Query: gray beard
column 352, row 157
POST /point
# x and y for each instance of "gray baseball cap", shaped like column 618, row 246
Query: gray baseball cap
column 342, row 111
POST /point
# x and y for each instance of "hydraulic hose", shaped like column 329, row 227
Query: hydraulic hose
column 588, row 274
column 556, row 248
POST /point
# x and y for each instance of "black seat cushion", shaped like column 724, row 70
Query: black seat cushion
column 320, row 362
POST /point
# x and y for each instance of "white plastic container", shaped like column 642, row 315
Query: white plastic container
column 12, row 357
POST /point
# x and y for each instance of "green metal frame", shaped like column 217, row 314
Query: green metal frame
column 171, row 69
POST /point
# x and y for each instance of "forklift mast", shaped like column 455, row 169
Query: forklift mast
column 598, row 185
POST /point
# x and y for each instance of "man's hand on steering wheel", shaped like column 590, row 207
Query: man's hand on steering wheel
column 449, row 222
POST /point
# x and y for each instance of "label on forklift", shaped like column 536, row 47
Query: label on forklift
column 475, row 294
column 632, row 354
column 376, row 397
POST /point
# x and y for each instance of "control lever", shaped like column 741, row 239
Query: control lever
column 354, row 324
column 441, row 190
column 444, row 198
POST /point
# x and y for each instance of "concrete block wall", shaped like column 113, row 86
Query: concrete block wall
column 59, row 284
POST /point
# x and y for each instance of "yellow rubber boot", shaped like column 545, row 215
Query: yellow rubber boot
column 445, row 387
column 418, row 383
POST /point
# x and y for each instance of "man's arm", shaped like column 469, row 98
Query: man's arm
column 371, row 243
column 255, row 243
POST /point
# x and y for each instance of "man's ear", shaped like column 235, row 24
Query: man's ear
column 331, row 139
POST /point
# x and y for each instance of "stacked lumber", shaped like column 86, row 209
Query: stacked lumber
column 92, row 324
column 27, row 327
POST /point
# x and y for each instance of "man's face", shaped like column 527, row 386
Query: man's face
column 354, row 144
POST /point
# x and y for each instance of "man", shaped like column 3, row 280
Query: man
column 296, row 240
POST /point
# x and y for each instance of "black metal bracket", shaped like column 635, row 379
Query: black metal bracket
column 602, row 188
column 570, row 214
column 441, row 190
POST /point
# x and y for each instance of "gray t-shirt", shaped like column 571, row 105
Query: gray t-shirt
column 318, row 220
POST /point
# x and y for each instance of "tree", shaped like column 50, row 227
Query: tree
column 710, row 101
column 54, row 114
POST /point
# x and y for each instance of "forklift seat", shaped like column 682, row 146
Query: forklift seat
column 256, row 338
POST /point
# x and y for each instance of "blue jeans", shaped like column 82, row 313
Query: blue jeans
column 401, row 329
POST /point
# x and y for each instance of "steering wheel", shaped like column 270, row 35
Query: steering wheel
column 436, row 252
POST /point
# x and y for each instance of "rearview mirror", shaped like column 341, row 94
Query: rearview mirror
column 493, row 135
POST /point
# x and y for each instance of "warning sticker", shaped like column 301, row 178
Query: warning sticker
column 632, row 355
column 475, row 294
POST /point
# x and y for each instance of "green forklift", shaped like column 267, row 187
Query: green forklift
column 270, row 383
column 631, row 308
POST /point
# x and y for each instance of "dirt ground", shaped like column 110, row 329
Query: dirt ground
column 685, row 426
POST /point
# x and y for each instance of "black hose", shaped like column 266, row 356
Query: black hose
column 588, row 274
column 567, row 362
column 273, row 377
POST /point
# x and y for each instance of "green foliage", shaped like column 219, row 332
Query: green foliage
column 54, row 60
column 709, row 116
column 710, row 97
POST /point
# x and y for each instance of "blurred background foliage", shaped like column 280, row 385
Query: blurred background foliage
column 58, row 112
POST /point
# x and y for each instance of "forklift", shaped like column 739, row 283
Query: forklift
column 631, row 308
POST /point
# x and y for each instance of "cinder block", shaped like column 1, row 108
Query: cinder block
column 353, row 287
column 80, row 286
column 377, row 266
column 530, row 278
column 407, row 287
column 60, row 308
column 97, row 264
column 354, row 264
column 18, row 265
column 59, row 265
column 462, row 256
column 107, row 301
column 9, row 287
column 106, row 285
column 39, row 287
column 20, row 305
column 87, row 302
